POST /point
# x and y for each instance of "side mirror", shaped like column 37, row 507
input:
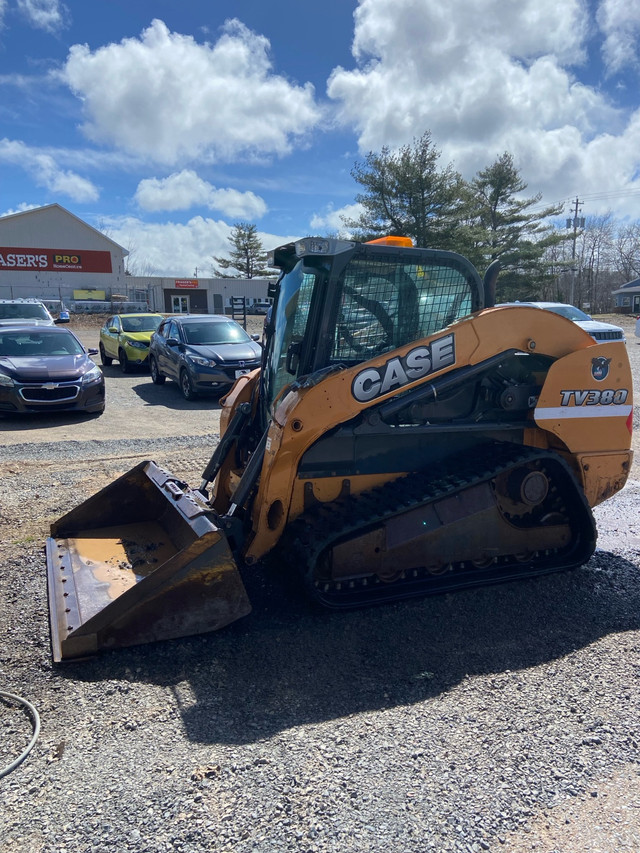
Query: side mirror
column 255, row 337
column 92, row 351
column 113, row 330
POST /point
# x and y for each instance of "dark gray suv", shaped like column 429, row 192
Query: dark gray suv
column 203, row 353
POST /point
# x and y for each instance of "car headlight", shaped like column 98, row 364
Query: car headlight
column 92, row 376
column 201, row 361
column 6, row 381
column 135, row 344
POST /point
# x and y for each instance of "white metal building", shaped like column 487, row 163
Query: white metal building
column 49, row 253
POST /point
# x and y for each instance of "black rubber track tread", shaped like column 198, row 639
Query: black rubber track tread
column 326, row 524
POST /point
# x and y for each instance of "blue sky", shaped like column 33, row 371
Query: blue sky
column 163, row 123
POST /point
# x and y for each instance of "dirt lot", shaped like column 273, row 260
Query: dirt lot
column 502, row 719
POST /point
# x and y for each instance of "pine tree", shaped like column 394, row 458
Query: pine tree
column 501, row 225
column 405, row 193
column 247, row 258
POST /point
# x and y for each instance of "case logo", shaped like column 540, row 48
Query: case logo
column 600, row 368
column 420, row 361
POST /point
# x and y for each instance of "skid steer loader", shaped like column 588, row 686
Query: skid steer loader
column 403, row 436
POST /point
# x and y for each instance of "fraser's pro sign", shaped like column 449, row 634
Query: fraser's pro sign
column 67, row 260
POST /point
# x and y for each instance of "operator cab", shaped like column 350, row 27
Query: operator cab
column 339, row 302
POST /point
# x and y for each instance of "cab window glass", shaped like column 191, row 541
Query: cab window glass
column 384, row 305
column 290, row 324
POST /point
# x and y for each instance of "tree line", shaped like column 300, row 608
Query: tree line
column 406, row 191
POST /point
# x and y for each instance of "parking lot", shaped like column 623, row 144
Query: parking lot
column 136, row 408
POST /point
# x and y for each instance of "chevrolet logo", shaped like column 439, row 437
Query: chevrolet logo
column 49, row 386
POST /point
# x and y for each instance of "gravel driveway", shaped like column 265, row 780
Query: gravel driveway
column 501, row 719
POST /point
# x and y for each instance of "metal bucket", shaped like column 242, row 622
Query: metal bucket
column 141, row 560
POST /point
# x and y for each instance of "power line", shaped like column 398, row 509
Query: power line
column 603, row 195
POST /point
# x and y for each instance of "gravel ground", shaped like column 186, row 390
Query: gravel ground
column 497, row 719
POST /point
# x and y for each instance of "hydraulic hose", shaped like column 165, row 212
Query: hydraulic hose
column 35, row 721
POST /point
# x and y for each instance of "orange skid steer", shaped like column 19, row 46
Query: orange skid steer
column 404, row 436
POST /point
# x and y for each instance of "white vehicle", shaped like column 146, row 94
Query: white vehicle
column 600, row 332
column 638, row 328
column 17, row 312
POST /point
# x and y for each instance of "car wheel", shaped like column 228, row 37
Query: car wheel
column 186, row 387
column 125, row 367
column 104, row 358
column 156, row 377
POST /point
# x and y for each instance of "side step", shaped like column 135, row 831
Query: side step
column 141, row 560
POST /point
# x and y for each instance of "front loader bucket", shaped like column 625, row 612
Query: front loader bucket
column 141, row 560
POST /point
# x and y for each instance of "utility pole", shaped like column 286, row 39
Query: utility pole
column 576, row 222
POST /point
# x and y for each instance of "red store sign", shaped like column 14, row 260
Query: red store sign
column 186, row 282
column 14, row 259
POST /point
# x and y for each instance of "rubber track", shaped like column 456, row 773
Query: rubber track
column 327, row 524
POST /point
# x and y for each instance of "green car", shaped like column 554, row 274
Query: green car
column 125, row 337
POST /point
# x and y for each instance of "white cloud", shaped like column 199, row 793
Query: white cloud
column 246, row 205
column 432, row 35
column 169, row 98
column 172, row 248
column 46, row 171
column 486, row 77
column 185, row 189
column 619, row 21
column 20, row 208
column 177, row 249
column 48, row 15
column 455, row 72
column 332, row 221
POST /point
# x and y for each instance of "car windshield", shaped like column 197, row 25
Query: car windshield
column 143, row 323
column 569, row 311
column 24, row 310
column 30, row 344
column 209, row 334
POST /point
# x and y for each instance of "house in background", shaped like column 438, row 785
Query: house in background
column 627, row 298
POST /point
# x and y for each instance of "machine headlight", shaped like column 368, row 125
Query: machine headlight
column 6, row 381
column 135, row 344
column 321, row 246
column 92, row 376
column 312, row 246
